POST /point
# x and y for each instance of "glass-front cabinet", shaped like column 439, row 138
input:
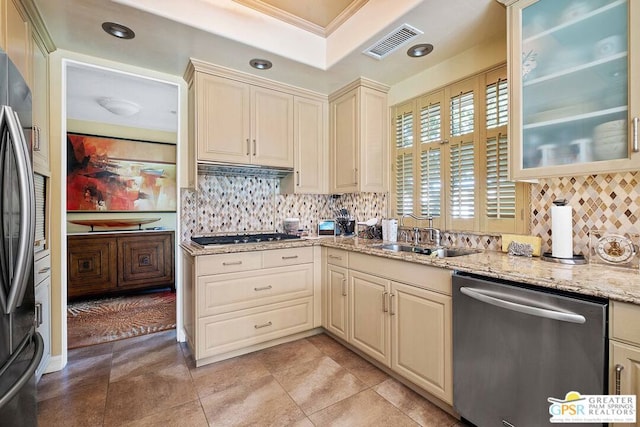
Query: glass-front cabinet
column 574, row 69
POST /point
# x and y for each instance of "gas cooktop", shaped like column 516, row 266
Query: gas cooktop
column 243, row 238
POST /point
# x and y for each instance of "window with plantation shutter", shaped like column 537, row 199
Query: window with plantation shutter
column 430, row 182
column 501, row 193
column 462, row 187
column 462, row 114
column 404, row 130
column 430, row 123
column 497, row 113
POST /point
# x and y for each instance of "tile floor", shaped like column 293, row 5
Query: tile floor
column 152, row 380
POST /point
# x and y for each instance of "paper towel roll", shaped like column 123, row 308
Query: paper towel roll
column 561, row 231
column 393, row 230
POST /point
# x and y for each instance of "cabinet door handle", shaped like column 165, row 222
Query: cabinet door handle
column 36, row 138
column 392, row 311
column 290, row 257
column 248, row 147
column 44, row 270
column 232, row 263
column 264, row 325
column 635, row 135
column 298, row 178
column 263, row 288
column 355, row 175
column 254, row 147
column 38, row 314
column 384, row 302
column 344, row 287
column 619, row 369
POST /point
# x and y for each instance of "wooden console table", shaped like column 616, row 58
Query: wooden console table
column 109, row 263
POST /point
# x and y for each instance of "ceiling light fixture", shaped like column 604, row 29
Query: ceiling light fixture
column 118, row 30
column 419, row 50
column 119, row 107
column 260, row 64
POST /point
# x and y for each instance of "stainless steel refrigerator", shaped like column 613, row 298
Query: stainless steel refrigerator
column 21, row 346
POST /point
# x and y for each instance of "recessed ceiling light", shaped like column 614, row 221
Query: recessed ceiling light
column 260, row 64
column 418, row 50
column 118, row 30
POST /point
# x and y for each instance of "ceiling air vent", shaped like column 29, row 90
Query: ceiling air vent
column 392, row 41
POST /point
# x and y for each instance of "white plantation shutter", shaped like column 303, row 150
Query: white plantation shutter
column 404, row 183
column 404, row 163
column 462, row 187
column 462, row 114
column 430, row 182
column 430, row 123
column 497, row 113
column 501, row 193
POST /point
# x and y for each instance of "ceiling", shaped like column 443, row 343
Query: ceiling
column 228, row 33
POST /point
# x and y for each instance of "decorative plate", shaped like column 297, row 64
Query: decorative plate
column 614, row 249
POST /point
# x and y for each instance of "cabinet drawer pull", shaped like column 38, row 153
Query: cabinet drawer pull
column 264, row 288
column 384, row 302
column 290, row 257
column 232, row 263
column 392, row 311
column 264, row 325
column 44, row 270
column 335, row 257
column 619, row 369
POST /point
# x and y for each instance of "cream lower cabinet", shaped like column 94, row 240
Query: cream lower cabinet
column 42, row 280
column 235, row 302
column 399, row 313
column 624, row 350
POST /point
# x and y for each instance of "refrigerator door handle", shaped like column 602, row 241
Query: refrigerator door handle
column 485, row 297
column 31, row 368
column 24, row 257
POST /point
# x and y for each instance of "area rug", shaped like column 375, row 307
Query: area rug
column 101, row 320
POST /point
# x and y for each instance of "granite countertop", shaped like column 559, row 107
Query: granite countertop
column 615, row 283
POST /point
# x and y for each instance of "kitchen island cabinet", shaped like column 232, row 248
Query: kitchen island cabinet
column 239, row 302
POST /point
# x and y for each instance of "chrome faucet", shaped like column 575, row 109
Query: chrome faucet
column 435, row 235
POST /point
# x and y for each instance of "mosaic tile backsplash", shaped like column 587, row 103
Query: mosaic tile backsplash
column 223, row 204
column 228, row 204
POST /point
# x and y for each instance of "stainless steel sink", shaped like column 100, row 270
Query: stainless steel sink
column 447, row 252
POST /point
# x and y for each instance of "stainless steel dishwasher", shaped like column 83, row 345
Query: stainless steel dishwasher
column 515, row 346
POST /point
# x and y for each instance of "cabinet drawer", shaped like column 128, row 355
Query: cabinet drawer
column 236, row 291
column 42, row 269
column 337, row 257
column 625, row 321
column 228, row 263
column 282, row 257
column 232, row 331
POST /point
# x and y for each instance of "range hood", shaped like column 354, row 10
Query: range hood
column 228, row 169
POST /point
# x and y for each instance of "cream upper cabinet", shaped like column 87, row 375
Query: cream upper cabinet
column 309, row 148
column 238, row 119
column 16, row 37
column 574, row 108
column 359, row 138
column 40, row 95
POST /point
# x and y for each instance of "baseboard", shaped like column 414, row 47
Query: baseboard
column 56, row 363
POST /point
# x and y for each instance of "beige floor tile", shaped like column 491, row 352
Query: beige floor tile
column 189, row 414
column 77, row 407
column 137, row 397
column 318, row 383
column 285, row 356
column 140, row 360
column 149, row 341
column 326, row 344
column 262, row 402
column 90, row 351
column 218, row 376
column 83, row 372
column 365, row 409
column 365, row 371
column 411, row 403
